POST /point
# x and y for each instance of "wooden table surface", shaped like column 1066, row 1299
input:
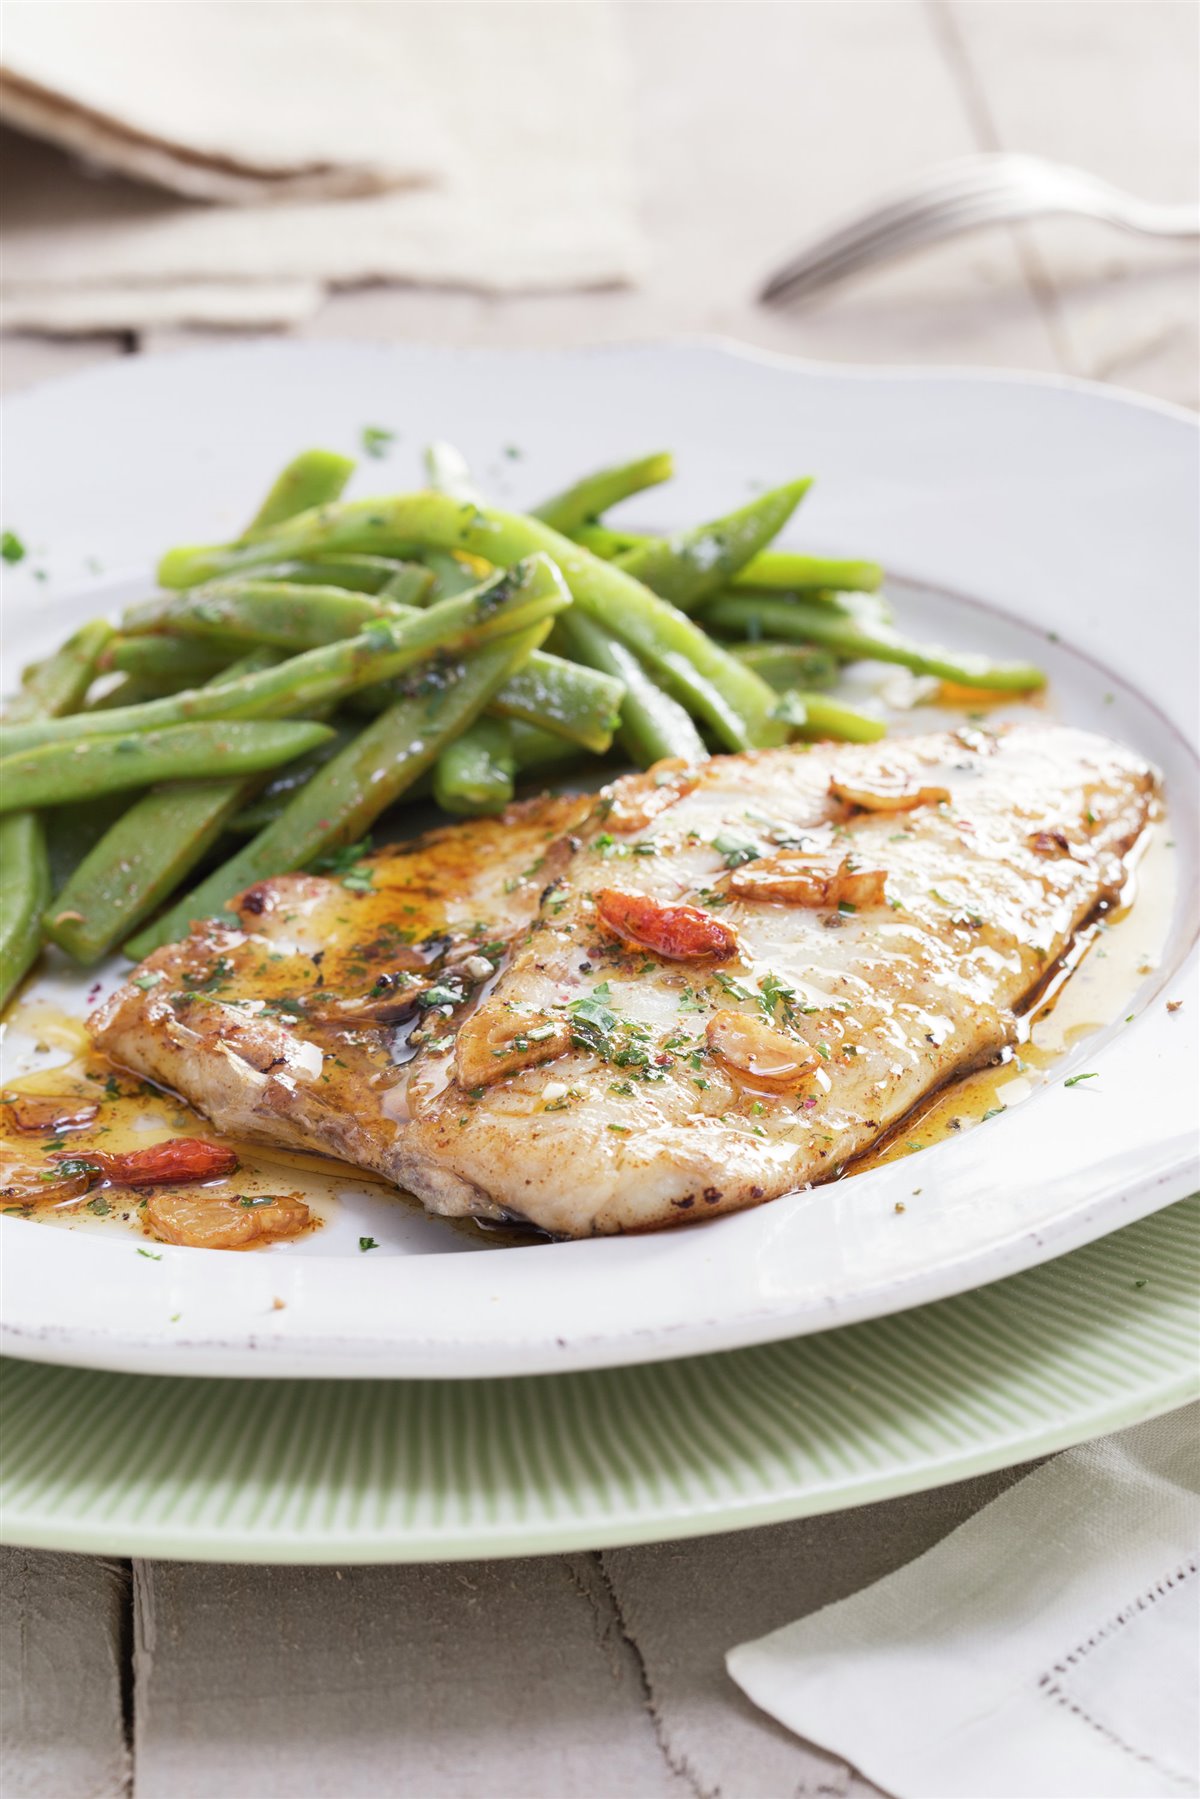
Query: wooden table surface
column 603, row 1673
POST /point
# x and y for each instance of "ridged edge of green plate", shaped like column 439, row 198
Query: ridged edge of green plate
column 343, row 1471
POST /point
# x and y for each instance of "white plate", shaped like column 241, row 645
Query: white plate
column 1065, row 512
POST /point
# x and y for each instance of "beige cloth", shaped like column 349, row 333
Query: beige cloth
column 221, row 100
column 457, row 141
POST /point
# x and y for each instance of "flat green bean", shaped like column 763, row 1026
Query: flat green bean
column 799, row 622
column 120, row 873
column 581, row 704
column 588, row 499
column 74, row 830
column 291, row 615
column 815, row 717
column 788, row 665
column 159, row 657
column 451, row 573
column 139, row 861
column 652, row 724
column 689, row 566
column 474, row 774
column 714, row 685
column 510, row 601
column 314, row 478
column 58, row 685
column 54, row 773
column 787, row 570
column 772, row 569
column 535, row 750
column 53, row 687
column 24, row 893
column 411, row 585
column 343, row 800
column 358, row 574
column 547, row 691
column 275, row 793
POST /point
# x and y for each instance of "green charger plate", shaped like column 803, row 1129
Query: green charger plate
column 373, row 1471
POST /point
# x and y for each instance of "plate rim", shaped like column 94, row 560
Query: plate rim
column 262, row 1356
column 998, row 1443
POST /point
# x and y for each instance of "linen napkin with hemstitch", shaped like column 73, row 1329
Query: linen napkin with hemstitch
column 1047, row 1649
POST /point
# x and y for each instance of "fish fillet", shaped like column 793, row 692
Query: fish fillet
column 715, row 985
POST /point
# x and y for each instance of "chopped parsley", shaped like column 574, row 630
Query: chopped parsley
column 348, row 865
column 1073, row 1080
column 733, row 988
column 376, row 440
column 735, row 851
column 365, row 1243
column 11, row 547
column 773, row 995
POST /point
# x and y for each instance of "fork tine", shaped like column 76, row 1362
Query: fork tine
column 1003, row 188
column 903, row 211
column 827, row 262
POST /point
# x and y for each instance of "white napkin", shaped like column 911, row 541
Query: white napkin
column 222, row 101
column 513, row 114
column 1047, row 1649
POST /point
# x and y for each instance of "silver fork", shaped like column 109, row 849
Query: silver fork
column 962, row 195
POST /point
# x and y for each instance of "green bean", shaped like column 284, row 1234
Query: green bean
column 314, row 478
column 608, row 544
column 54, row 772
column 771, row 569
column 127, row 690
column 801, row 622
column 703, row 676
column 576, row 702
column 474, row 774
column 411, row 585
column 290, row 615
column 344, row 799
column 786, row 570
column 123, row 871
column 788, row 665
column 535, row 749
column 74, row 830
column 58, row 685
column 275, row 792
column 580, row 704
column 449, row 472
column 815, row 716
column 141, row 859
column 690, row 565
column 53, row 687
column 713, row 685
column 587, row 499
column 452, row 574
column 159, row 657
column 509, row 602
column 357, row 574
column 24, row 892
column 653, row 725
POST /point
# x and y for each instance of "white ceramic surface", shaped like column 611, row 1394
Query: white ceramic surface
column 1033, row 517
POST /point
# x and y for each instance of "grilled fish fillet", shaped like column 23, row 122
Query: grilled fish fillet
column 289, row 1029
column 736, row 977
